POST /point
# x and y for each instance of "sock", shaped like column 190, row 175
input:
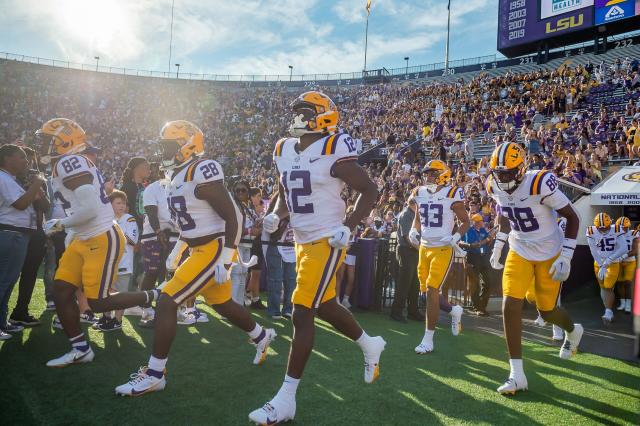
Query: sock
column 79, row 342
column 428, row 336
column 516, row 368
column 364, row 341
column 156, row 366
column 255, row 299
column 257, row 333
column 289, row 387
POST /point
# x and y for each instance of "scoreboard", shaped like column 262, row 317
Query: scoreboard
column 526, row 25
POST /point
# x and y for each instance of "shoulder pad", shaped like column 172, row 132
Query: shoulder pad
column 536, row 182
column 277, row 152
column 331, row 144
column 72, row 165
column 590, row 230
column 191, row 171
column 453, row 191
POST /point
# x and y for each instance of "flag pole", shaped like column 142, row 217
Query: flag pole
column 366, row 34
column 446, row 48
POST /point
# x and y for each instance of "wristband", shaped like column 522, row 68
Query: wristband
column 226, row 257
column 502, row 237
column 568, row 247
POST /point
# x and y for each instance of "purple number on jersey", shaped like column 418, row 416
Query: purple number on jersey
column 178, row 210
column 436, row 211
column 292, row 194
column 521, row 219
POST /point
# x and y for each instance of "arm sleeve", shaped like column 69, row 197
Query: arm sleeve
column 87, row 209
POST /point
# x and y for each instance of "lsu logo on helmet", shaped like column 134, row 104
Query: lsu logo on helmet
column 602, row 220
column 67, row 137
column 314, row 112
column 180, row 141
column 508, row 165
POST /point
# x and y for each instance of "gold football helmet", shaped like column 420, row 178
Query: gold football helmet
column 437, row 173
column 508, row 165
column 180, row 141
column 602, row 221
column 624, row 223
column 314, row 112
column 66, row 137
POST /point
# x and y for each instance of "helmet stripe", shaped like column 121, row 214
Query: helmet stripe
column 502, row 153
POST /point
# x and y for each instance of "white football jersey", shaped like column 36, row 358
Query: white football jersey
column 437, row 218
column 629, row 237
column 313, row 198
column 129, row 227
column 156, row 194
column 195, row 217
column 531, row 210
column 72, row 166
column 610, row 245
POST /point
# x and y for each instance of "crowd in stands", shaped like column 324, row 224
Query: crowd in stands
column 565, row 118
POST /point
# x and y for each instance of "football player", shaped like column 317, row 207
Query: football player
column 210, row 225
column 314, row 165
column 438, row 206
column 607, row 244
column 96, row 243
column 627, row 264
column 528, row 205
column 159, row 235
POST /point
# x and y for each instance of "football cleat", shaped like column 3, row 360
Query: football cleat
column 201, row 316
column 456, row 319
column 424, row 348
column 55, row 323
column 72, row 357
column 540, row 322
column 372, row 359
column 142, row 383
column 607, row 317
column 621, row 306
column 186, row 318
column 512, row 385
column 88, row 318
column 278, row 410
column 134, row 310
column 571, row 342
column 558, row 333
column 263, row 345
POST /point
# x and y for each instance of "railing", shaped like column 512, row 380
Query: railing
column 572, row 190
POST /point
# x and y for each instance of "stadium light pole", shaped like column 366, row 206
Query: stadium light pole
column 177, row 70
column 171, row 35
column 290, row 72
column 446, row 48
column 406, row 70
column 97, row 58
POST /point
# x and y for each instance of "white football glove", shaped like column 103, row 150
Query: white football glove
column 602, row 273
column 52, row 226
column 340, row 238
column 414, row 237
column 222, row 268
column 561, row 267
column 452, row 240
column 270, row 223
column 174, row 257
column 459, row 251
column 501, row 239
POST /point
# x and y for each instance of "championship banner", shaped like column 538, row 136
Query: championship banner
column 621, row 189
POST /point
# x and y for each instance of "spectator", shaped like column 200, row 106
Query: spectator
column 281, row 272
column 407, row 286
column 17, row 223
column 476, row 243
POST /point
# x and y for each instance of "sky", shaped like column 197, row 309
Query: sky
column 248, row 36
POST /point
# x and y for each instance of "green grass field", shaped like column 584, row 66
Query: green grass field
column 211, row 379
